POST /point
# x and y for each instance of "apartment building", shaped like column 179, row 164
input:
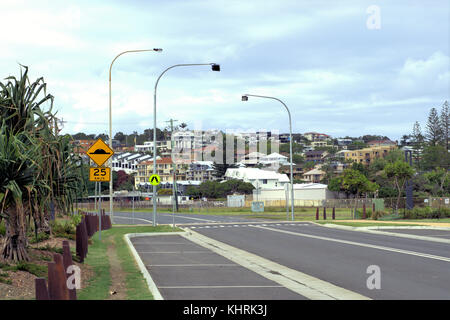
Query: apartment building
column 163, row 169
column 367, row 155
column 200, row 171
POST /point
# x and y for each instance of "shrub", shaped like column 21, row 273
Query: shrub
column 2, row 228
column 40, row 237
column 427, row 213
column 63, row 228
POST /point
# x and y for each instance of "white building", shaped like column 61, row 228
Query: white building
column 257, row 177
column 274, row 158
column 302, row 191
column 128, row 161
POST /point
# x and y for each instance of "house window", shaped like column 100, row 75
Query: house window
column 264, row 181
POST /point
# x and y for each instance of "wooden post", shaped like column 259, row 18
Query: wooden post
column 41, row 289
column 333, row 215
column 324, row 213
column 317, row 213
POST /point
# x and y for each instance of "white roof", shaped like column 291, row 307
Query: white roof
column 255, row 174
column 275, row 155
column 301, row 186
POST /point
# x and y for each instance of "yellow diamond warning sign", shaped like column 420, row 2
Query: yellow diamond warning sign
column 100, row 152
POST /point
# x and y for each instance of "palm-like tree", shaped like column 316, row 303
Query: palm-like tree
column 37, row 167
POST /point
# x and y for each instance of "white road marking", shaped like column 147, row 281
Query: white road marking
column 194, row 265
column 299, row 282
column 183, row 217
column 175, row 252
column 130, row 218
column 419, row 254
column 216, row 287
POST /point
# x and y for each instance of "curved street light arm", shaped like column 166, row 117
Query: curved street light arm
column 290, row 145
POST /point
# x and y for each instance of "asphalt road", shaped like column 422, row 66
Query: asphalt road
column 409, row 268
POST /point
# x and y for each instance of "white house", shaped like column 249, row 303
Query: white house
column 257, row 177
column 274, row 158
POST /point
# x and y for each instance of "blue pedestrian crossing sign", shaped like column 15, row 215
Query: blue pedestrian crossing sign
column 154, row 179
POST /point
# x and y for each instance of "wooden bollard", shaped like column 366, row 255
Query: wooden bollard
column 79, row 243
column 57, row 287
column 317, row 213
column 67, row 262
column 333, row 215
column 324, row 213
column 87, row 223
column 84, row 238
column 41, row 289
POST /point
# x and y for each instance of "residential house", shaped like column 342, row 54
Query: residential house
column 257, row 177
column 128, row 161
column 315, row 175
column 381, row 143
column 297, row 171
column 82, row 146
column 316, row 156
column 315, row 136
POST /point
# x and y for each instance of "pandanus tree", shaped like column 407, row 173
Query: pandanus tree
column 37, row 167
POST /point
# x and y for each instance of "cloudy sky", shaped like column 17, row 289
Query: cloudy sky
column 352, row 68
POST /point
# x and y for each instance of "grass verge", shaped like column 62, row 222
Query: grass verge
column 136, row 286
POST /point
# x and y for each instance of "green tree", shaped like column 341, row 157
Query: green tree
column 399, row 172
column 417, row 143
column 434, row 132
column 445, row 123
column 435, row 156
column 356, row 183
column 31, row 148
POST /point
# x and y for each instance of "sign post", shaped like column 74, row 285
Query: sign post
column 100, row 152
column 154, row 181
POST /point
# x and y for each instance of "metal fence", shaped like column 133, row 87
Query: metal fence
column 388, row 203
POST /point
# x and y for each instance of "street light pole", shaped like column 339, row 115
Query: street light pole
column 214, row 67
column 245, row 98
column 110, row 126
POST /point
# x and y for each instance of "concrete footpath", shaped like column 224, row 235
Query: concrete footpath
column 430, row 224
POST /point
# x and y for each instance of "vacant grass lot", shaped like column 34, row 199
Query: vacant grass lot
column 99, row 286
column 276, row 213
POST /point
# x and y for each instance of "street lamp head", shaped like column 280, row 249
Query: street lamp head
column 215, row 67
column 244, row 98
column 157, row 49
